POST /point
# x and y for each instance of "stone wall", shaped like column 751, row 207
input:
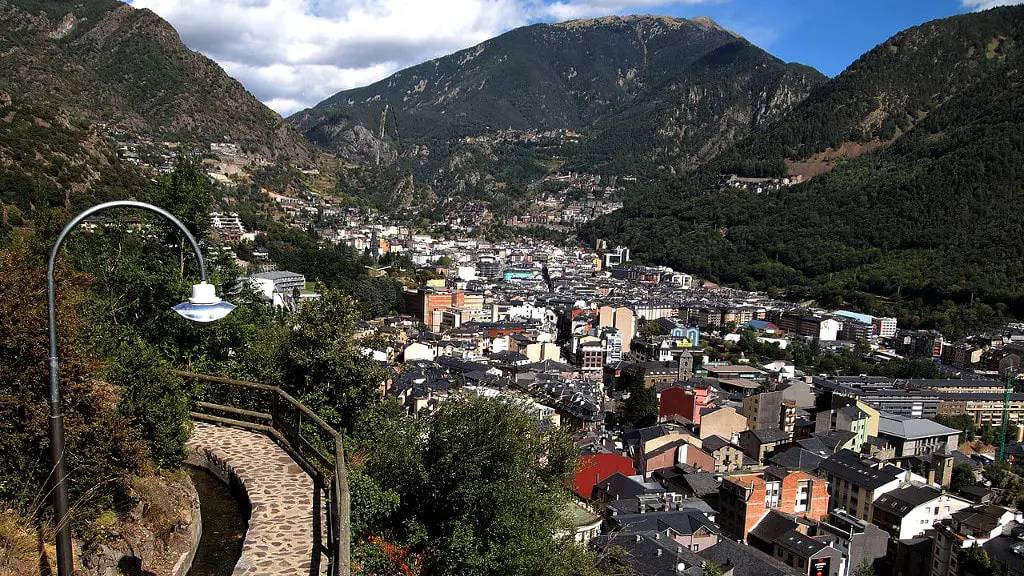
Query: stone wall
column 159, row 536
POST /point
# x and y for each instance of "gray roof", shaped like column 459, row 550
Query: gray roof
column 849, row 466
column 797, row 458
column 799, row 544
column 715, row 442
column 768, row 435
column 901, row 501
column 911, row 428
column 746, row 560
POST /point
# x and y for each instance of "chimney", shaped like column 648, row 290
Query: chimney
column 660, row 550
column 637, row 537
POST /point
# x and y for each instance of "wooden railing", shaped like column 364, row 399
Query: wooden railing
column 311, row 441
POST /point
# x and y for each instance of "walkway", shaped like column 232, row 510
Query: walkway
column 280, row 538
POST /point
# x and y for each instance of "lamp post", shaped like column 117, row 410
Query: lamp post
column 203, row 306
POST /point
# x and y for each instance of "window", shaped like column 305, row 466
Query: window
column 696, row 547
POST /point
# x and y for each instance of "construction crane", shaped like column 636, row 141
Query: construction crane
column 1006, row 414
column 380, row 138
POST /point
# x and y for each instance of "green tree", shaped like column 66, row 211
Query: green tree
column 480, row 488
column 709, row 568
column 317, row 356
column 153, row 401
column 962, row 477
column 101, row 454
column 865, row 569
column 641, row 408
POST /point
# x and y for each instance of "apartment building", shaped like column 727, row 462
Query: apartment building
column 856, row 481
column 743, row 499
column 911, row 511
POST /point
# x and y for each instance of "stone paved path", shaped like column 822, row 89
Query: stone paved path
column 279, row 541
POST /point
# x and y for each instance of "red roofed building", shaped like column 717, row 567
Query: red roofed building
column 597, row 467
column 684, row 401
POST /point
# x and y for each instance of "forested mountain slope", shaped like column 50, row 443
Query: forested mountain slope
column 930, row 227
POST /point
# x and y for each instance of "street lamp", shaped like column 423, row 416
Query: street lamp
column 203, row 306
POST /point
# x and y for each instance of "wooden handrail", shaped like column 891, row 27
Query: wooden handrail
column 339, row 511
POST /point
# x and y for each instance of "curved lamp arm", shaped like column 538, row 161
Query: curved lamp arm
column 58, row 473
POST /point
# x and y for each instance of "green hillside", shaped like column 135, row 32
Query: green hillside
column 928, row 228
column 644, row 79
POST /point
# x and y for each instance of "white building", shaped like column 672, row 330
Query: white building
column 911, row 511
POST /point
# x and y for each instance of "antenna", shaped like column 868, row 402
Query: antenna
column 383, row 119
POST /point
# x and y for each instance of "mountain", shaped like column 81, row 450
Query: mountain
column 674, row 91
column 927, row 224
column 71, row 67
column 882, row 95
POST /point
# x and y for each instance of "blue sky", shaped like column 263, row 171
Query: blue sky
column 826, row 34
column 294, row 53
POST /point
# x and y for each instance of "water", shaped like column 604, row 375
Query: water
column 225, row 512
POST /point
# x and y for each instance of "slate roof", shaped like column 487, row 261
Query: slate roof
column 902, row 500
column 715, row 442
column 701, row 483
column 799, row 544
column 911, row 428
column 746, row 560
column 833, row 439
column 771, row 525
column 796, row 458
column 769, row 435
column 848, row 466
column 813, row 444
column 644, row 558
column 623, row 487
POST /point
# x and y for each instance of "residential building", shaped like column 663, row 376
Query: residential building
column 686, row 399
column 745, row 498
column 809, row 325
column 759, row 444
column 973, row 526
column 856, row 481
column 762, row 410
column 911, row 511
column 811, row 556
column 725, row 422
column 594, row 468
column 728, row 456
column 859, row 542
column 849, row 418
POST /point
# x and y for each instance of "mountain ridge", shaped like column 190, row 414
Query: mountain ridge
column 546, row 76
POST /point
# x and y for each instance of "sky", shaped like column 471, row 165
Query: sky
column 293, row 54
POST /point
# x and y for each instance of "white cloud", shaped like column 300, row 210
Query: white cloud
column 294, row 53
column 986, row 4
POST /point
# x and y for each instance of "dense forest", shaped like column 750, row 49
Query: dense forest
column 927, row 228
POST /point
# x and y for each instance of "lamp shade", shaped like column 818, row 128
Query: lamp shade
column 204, row 305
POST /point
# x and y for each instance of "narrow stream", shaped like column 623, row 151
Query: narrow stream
column 225, row 512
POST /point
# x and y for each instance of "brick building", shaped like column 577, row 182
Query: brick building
column 743, row 499
column 684, row 400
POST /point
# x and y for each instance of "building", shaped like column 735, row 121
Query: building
column 850, row 419
column 911, row 511
column 983, row 407
column 686, row 400
column 760, row 443
column 968, row 527
column 859, row 542
column 917, row 436
column 811, row 556
column 728, row 456
column 616, row 257
column 597, row 467
column 744, row 499
column 725, row 422
column 809, row 325
column 763, row 410
column 856, row 481
column 426, row 305
column 277, row 281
